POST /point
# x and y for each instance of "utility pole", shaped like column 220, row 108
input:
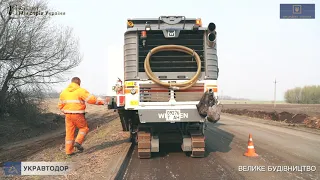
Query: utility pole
column 275, row 90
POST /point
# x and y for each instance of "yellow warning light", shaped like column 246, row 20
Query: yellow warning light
column 130, row 23
column 199, row 22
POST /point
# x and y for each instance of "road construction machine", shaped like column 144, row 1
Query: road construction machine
column 170, row 62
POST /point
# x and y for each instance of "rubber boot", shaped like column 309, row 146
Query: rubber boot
column 78, row 146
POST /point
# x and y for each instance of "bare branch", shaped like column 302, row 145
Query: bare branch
column 33, row 53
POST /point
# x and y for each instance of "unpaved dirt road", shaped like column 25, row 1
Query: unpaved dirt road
column 276, row 143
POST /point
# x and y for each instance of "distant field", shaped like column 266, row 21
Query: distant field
column 309, row 109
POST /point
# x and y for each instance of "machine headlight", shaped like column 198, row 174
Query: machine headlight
column 133, row 91
column 147, row 27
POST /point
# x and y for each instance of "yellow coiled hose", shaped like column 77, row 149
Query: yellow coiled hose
column 176, row 86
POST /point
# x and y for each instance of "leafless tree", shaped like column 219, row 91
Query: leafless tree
column 33, row 53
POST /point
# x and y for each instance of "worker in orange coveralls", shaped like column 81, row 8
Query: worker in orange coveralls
column 72, row 104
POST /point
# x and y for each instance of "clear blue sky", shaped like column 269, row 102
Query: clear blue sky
column 254, row 44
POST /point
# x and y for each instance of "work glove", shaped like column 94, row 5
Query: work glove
column 101, row 101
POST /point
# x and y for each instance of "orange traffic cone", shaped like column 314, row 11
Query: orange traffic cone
column 250, row 151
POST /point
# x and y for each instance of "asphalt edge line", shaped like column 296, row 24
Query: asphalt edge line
column 121, row 172
column 119, row 160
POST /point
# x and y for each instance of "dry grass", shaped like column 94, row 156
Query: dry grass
column 52, row 121
column 14, row 130
column 104, row 145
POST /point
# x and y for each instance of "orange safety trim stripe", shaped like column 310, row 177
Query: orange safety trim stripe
column 69, row 141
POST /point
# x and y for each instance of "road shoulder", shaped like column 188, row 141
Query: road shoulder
column 273, row 123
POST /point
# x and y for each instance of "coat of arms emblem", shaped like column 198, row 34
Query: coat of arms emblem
column 297, row 9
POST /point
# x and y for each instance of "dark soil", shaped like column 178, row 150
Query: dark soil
column 308, row 109
column 294, row 116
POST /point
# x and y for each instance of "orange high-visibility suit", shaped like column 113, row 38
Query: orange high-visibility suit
column 72, row 104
